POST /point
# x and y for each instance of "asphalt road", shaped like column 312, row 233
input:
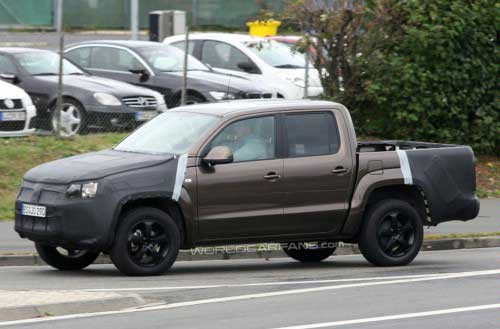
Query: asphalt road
column 487, row 221
column 445, row 289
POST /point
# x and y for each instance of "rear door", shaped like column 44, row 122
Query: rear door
column 318, row 167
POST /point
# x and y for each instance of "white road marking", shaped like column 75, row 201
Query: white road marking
column 394, row 317
column 255, row 296
column 278, row 283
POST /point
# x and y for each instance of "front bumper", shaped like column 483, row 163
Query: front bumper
column 73, row 223
column 101, row 116
column 20, row 128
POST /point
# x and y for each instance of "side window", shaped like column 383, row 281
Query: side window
column 79, row 56
column 249, row 139
column 107, row 58
column 181, row 45
column 311, row 134
column 6, row 65
column 224, row 56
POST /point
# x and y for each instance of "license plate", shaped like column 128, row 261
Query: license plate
column 32, row 210
column 12, row 116
column 145, row 116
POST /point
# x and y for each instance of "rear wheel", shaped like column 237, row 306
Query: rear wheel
column 309, row 253
column 147, row 242
column 65, row 259
column 392, row 233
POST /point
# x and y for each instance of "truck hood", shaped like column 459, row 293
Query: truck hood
column 92, row 166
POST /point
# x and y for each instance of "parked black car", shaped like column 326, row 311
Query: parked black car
column 159, row 67
column 88, row 101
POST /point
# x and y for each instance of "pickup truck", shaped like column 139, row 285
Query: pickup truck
column 253, row 171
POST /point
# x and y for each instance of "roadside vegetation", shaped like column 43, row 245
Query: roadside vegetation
column 18, row 155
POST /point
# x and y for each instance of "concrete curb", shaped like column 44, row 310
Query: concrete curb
column 266, row 251
column 65, row 308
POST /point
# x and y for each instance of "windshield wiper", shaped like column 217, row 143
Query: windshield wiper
column 288, row 66
column 46, row 73
column 77, row 73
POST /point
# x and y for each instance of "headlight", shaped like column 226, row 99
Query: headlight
column 27, row 101
column 85, row 191
column 160, row 100
column 107, row 99
column 221, row 95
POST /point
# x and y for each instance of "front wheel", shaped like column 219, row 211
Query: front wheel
column 392, row 233
column 147, row 242
column 72, row 118
column 65, row 259
column 309, row 253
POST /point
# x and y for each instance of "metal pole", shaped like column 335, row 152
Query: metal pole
column 185, row 68
column 306, row 77
column 134, row 19
column 59, row 15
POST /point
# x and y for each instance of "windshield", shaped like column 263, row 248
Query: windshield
column 170, row 59
column 169, row 133
column 277, row 54
column 45, row 63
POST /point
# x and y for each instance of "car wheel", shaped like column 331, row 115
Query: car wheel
column 147, row 242
column 73, row 119
column 65, row 259
column 190, row 100
column 308, row 253
column 392, row 233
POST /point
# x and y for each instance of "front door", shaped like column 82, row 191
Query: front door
column 317, row 172
column 243, row 198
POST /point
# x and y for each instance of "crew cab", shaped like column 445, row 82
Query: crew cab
column 244, row 172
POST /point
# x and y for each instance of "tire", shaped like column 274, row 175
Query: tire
column 190, row 100
column 313, row 254
column 73, row 118
column 147, row 242
column 392, row 233
column 74, row 260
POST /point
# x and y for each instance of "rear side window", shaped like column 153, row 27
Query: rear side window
column 182, row 44
column 79, row 56
column 310, row 134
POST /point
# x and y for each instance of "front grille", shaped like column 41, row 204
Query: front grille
column 140, row 101
column 11, row 125
column 17, row 104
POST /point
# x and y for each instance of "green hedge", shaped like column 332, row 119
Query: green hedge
column 433, row 73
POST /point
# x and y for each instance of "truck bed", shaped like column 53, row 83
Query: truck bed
column 444, row 172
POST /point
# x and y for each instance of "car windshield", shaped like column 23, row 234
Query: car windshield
column 170, row 133
column 45, row 63
column 277, row 54
column 170, row 59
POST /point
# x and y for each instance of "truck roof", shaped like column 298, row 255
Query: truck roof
column 228, row 108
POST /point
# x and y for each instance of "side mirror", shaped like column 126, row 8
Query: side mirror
column 143, row 74
column 9, row 77
column 219, row 155
column 248, row 67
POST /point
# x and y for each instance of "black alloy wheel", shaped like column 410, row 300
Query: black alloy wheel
column 147, row 242
column 392, row 233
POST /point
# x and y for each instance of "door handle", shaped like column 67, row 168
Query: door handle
column 339, row 170
column 272, row 175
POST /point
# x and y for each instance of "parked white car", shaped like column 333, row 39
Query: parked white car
column 264, row 61
column 16, row 111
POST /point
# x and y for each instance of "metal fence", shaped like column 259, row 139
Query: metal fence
column 26, row 13
column 115, row 14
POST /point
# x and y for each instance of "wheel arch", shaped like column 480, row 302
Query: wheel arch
column 189, row 92
column 162, row 202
